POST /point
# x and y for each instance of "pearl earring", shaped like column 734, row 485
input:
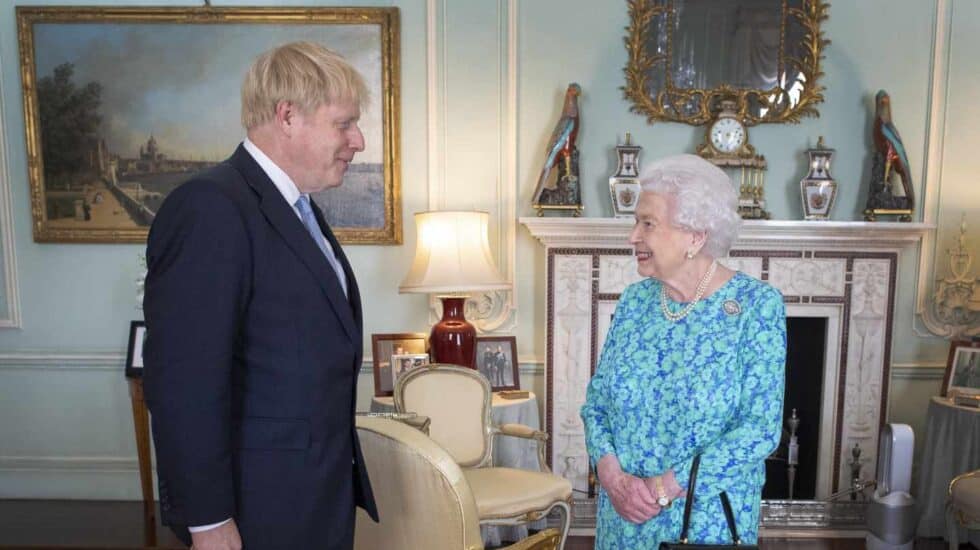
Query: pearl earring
column 690, row 255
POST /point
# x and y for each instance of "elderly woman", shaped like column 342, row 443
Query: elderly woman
column 693, row 364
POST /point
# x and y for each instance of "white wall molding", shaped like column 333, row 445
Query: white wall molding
column 435, row 55
column 70, row 477
column 84, row 464
column 918, row 372
column 58, row 360
column 111, row 360
column 900, row 371
column 11, row 317
column 501, row 306
column 532, row 366
column 933, row 170
column 495, row 311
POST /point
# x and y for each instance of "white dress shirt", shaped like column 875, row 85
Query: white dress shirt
column 291, row 193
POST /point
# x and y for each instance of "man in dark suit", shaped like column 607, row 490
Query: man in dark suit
column 254, row 324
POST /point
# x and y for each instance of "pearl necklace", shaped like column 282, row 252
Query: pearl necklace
column 698, row 294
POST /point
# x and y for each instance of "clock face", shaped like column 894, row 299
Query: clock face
column 727, row 135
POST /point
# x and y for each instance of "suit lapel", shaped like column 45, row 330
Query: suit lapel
column 284, row 220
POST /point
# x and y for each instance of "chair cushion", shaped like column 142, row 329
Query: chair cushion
column 509, row 492
column 964, row 493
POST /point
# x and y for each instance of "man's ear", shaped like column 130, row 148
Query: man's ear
column 286, row 116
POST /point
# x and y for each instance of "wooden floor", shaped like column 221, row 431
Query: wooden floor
column 63, row 524
column 80, row 524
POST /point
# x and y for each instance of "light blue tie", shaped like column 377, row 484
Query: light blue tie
column 309, row 220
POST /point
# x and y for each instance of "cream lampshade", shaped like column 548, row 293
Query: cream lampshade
column 452, row 257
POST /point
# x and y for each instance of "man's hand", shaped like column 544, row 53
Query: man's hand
column 224, row 537
column 629, row 495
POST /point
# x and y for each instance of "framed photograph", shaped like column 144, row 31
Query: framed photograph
column 402, row 363
column 134, row 354
column 384, row 346
column 962, row 368
column 496, row 358
column 124, row 104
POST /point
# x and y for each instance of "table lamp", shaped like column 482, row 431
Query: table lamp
column 452, row 257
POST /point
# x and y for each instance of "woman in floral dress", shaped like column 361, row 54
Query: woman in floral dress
column 693, row 364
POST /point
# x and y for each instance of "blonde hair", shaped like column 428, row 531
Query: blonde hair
column 304, row 73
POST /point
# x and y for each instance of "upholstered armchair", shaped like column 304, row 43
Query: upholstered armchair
column 457, row 400
column 962, row 506
column 422, row 495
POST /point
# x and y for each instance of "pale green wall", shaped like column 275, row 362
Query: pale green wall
column 65, row 428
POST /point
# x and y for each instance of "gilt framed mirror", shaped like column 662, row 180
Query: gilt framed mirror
column 685, row 56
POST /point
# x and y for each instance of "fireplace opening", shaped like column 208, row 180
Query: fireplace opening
column 805, row 347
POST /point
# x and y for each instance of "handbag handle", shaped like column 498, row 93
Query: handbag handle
column 725, row 504
column 691, row 480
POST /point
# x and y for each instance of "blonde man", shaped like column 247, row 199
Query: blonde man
column 254, row 324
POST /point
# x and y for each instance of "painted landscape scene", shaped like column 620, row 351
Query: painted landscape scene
column 128, row 112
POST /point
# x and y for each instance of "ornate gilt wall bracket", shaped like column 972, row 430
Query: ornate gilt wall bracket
column 953, row 310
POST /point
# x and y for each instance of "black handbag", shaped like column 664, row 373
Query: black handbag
column 682, row 544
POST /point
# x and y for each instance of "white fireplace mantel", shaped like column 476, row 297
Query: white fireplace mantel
column 613, row 232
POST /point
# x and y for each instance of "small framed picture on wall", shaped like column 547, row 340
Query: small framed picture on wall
column 134, row 354
column 411, row 345
column 962, row 368
column 496, row 359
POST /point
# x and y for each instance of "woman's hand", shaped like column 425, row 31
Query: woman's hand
column 672, row 489
column 629, row 495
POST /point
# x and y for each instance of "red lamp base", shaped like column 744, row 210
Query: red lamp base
column 453, row 339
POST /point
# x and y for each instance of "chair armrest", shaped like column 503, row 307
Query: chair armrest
column 526, row 432
column 420, row 423
column 542, row 540
column 520, row 430
column 417, row 421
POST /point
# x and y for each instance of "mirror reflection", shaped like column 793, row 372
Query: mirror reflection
column 686, row 54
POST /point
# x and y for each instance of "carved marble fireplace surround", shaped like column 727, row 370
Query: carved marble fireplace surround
column 843, row 271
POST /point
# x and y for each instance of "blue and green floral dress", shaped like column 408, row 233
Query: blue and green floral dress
column 710, row 383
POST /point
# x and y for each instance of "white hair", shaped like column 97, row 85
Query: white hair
column 704, row 198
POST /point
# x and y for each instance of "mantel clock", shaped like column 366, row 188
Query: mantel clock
column 726, row 145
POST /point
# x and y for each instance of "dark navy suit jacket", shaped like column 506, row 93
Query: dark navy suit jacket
column 251, row 364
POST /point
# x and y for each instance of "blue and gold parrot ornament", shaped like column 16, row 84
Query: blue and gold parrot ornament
column 562, row 141
column 888, row 143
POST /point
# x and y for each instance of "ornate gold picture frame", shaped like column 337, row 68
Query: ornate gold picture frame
column 122, row 105
column 685, row 57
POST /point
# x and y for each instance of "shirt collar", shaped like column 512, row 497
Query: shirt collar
column 279, row 178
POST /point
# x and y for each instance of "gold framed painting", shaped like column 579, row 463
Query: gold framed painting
column 124, row 104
